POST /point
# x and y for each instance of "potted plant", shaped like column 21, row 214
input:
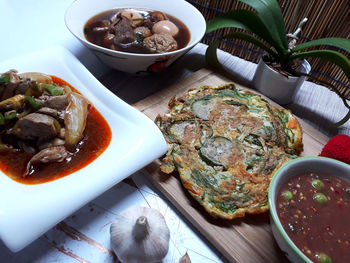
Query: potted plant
column 265, row 28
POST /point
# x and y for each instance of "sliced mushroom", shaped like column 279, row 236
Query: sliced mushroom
column 133, row 16
column 157, row 16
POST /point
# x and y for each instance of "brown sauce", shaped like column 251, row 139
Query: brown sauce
column 97, row 136
column 95, row 37
column 314, row 211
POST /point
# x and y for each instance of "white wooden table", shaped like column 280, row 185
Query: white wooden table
column 84, row 236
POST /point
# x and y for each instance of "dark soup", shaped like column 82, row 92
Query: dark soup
column 47, row 128
column 314, row 209
column 137, row 31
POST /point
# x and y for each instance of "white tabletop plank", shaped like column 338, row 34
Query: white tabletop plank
column 84, row 236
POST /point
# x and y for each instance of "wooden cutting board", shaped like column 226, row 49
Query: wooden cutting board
column 241, row 240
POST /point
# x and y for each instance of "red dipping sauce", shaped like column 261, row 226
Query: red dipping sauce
column 314, row 210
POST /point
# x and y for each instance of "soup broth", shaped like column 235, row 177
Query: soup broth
column 137, row 31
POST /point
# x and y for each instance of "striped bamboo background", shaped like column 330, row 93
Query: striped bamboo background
column 327, row 18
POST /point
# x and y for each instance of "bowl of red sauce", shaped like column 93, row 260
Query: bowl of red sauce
column 309, row 199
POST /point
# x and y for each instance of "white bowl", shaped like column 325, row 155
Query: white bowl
column 292, row 168
column 28, row 211
column 82, row 10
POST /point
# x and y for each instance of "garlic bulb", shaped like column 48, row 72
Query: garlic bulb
column 140, row 234
column 185, row 259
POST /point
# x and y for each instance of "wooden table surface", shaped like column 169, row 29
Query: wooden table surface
column 84, row 236
column 251, row 235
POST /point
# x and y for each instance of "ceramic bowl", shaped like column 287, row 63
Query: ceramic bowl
column 268, row 81
column 82, row 10
column 292, row 168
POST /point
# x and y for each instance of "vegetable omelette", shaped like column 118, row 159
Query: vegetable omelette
column 226, row 144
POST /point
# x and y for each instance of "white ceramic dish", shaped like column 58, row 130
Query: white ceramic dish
column 82, row 10
column 28, row 211
column 292, row 168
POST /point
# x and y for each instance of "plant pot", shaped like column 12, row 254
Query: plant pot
column 277, row 87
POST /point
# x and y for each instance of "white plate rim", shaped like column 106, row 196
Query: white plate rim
column 24, row 205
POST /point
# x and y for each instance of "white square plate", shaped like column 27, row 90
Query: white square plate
column 28, row 211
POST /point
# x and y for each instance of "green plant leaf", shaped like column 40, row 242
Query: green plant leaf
column 326, row 84
column 342, row 121
column 333, row 56
column 246, row 20
column 335, row 90
column 251, row 39
column 226, row 20
column 211, row 55
column 271, row 15
column 330, row 41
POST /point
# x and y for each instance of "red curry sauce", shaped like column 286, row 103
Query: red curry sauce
column 97, row 136
column 314, row 209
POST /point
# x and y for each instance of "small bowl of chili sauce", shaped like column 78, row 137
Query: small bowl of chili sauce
column 309, row 199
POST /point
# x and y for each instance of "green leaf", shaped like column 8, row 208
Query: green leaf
column 333, row 56
column 4, row 79
column 226, row 20
column 271, row 15
column 139, row 38
column 251, row 39
column 334, row 89
column 342, row 121
column 211, row 55
column 246, row 20
column 326, row 84
column 330, row 41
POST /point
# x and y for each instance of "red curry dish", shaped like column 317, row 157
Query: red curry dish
column 314, row 210
column 47, row 129
column 137, row 31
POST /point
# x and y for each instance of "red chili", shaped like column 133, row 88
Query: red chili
column 327, row 181
column 338, row 148
column 313, row 209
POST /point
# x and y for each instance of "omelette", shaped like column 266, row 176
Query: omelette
column 226, row 144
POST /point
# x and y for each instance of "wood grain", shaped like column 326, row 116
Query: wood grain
column 242, row 240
